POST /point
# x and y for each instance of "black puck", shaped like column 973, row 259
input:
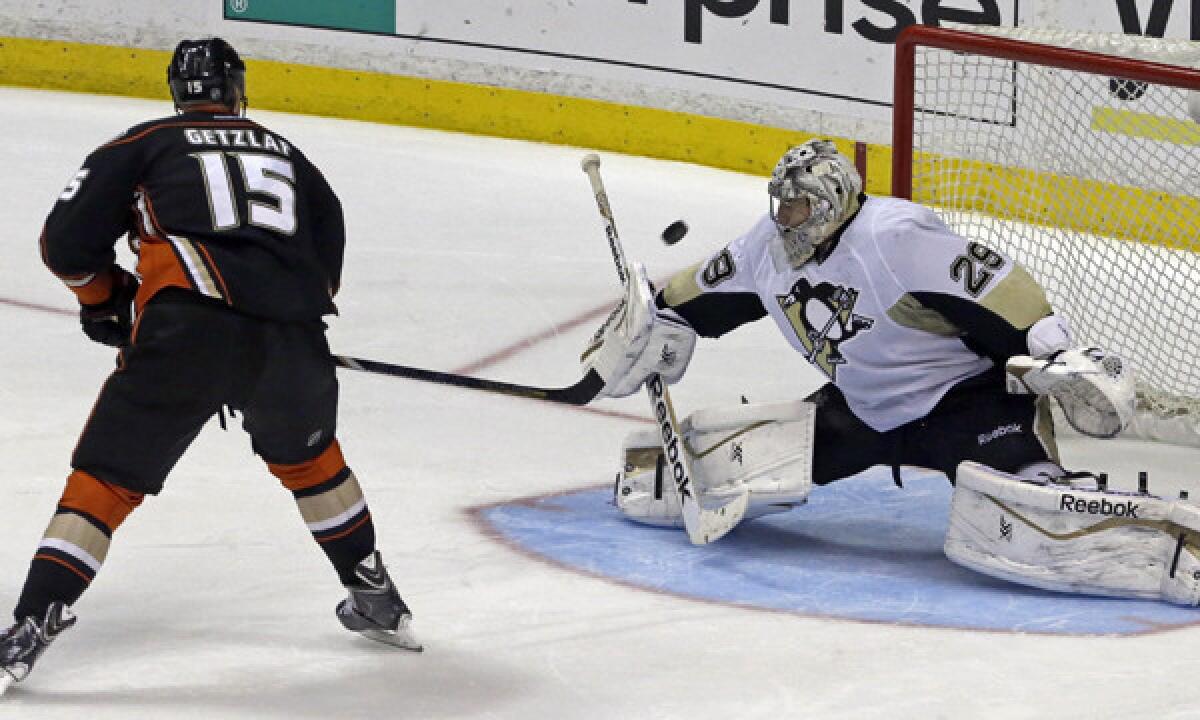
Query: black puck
column 674, row 232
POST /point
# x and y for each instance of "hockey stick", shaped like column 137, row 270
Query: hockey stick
column 581, row 393
column 703, row 525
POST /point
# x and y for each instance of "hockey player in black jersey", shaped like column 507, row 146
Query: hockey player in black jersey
column 939, row 352
column 239, row 241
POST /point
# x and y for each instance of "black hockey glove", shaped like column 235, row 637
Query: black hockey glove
column 111, row 322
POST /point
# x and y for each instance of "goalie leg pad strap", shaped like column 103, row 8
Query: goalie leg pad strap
column 1077, row 540
column 765, row 448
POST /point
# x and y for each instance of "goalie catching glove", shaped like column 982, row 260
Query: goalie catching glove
column 639, row 340
column 1094, row 389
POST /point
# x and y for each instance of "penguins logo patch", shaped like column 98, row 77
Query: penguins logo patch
column 823, row 318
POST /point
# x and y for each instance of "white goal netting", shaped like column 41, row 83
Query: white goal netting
column 1091, row 182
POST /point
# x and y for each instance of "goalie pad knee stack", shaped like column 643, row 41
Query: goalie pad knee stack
column 765, row 449
column 1070, row 539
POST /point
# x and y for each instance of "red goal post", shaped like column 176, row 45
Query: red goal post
column 1084, row 166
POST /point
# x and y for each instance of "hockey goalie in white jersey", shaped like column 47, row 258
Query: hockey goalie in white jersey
column 939, row 352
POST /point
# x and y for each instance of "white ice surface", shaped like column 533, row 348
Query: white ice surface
column 214, row 602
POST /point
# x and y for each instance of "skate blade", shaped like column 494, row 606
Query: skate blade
column 402, row 638
column 6, row 680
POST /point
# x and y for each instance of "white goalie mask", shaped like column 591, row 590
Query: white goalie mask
column 816, row 177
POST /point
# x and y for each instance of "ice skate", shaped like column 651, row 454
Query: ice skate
column 23, row 643
column 375, row 610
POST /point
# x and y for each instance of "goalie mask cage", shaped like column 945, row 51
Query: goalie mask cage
column 1078, row 156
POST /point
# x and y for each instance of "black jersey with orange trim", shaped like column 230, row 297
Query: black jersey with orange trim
column 214, row 203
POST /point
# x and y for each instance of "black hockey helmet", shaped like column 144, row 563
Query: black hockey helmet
column 206, row 71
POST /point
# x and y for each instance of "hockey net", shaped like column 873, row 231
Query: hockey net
column 1079, row 156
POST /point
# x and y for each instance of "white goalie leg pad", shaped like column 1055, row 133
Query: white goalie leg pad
column 766, row 448
column 1070, row 539
column 763, row 448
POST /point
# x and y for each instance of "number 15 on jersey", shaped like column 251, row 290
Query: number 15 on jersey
column 262, row 175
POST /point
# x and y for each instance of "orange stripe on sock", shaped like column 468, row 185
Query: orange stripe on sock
column 65, row 564
column 347, row 531
column 313, row 472
column 106, row 502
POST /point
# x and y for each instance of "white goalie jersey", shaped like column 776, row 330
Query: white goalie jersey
column 895, row 310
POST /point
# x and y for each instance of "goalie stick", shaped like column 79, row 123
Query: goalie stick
column 704, row 525
column 581, row 393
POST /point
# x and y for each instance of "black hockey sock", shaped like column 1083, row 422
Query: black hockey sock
column 340, row 521
column 332, row 505
column 75, row 543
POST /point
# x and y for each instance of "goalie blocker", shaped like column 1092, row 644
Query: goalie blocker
column 638, row 340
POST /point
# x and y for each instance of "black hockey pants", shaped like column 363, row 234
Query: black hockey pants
column 977, row 420
column 190, row 357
